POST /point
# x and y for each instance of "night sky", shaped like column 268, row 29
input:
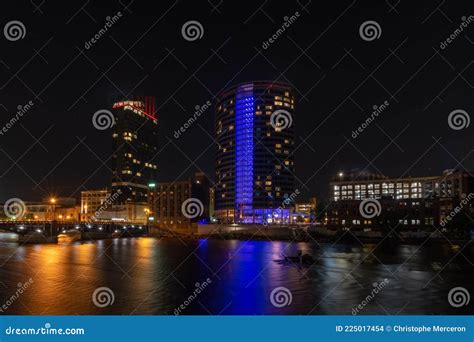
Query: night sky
column 337, row 76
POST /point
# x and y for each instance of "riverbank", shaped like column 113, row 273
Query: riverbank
column 260, row 234
column 36, row 238
column 302, row 234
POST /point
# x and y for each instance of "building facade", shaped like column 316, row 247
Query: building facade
column 254, row 162
column 412, row 202
column 91, row 202
column 171, row 196
column 305, row 212
column 61, row 209
column 135, row 147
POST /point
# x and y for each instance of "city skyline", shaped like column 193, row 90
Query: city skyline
column 245, row 158
column 335, row 91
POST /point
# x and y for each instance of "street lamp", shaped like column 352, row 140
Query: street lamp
column 53, row 202
column 147, row 212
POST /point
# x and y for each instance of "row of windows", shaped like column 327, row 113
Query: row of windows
column 378, row 192
column 427, row 220
column 129, row 172
column 378, row 185
column 363, row 196
column 276, row 98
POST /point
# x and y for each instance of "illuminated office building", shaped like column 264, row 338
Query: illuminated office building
column 135, row 148
column 408, row 201
column 254, row 162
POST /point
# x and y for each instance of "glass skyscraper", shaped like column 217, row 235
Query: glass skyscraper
column 135, row 147
column 254, row 161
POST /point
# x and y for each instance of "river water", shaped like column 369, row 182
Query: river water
column 158, row 276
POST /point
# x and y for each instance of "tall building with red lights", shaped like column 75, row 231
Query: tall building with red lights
column 135, row 146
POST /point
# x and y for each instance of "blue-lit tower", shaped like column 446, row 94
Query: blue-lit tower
column 254, row 159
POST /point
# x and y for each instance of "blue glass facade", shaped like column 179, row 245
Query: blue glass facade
column 254, row 160
column 244, row 117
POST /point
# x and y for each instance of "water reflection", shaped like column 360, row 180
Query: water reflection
column 151, row 276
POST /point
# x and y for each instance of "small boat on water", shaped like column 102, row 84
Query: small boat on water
column 299, row 259
column 68, row 236
column 304, row 259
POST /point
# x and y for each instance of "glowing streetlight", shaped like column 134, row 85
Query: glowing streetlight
column 52, row 200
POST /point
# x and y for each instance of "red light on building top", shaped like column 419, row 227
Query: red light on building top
column 144, row 105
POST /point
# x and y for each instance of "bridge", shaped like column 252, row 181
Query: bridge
column 51, row 229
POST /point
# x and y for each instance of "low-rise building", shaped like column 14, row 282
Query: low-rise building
column 420, row 203
column 91, row 202
column 131, row 213
column 305, row 212
column 57, row 209
column 182, row 203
